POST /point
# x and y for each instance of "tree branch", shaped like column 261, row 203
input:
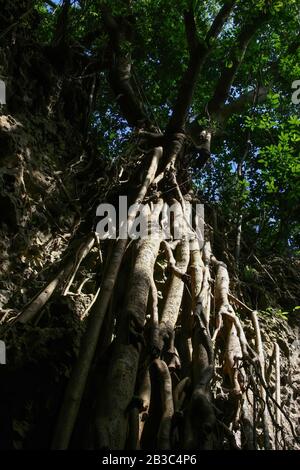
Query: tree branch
column 199, row 51
column 239, row 105
column 223, row 113
column 51, row 4
column 236, row 57
column 120, row 70
column 219, row 20
column 61, row 28
column 190, row 30
column 215, row 108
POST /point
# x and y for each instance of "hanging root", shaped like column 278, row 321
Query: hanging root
column 154, row 340
column 70, row 265
column 200, row 418
column 261, row 358
column 80, row 255
column 164, row 432
column 277, row 383
column 173, row 300
column 78, row 380
column 144, row 395
column 212, row 382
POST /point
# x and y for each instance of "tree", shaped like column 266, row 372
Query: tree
column 192, row 104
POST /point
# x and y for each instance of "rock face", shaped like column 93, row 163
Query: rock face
column 275, row 329
column 43, row 189
column 291, row 392
column 44, row 152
